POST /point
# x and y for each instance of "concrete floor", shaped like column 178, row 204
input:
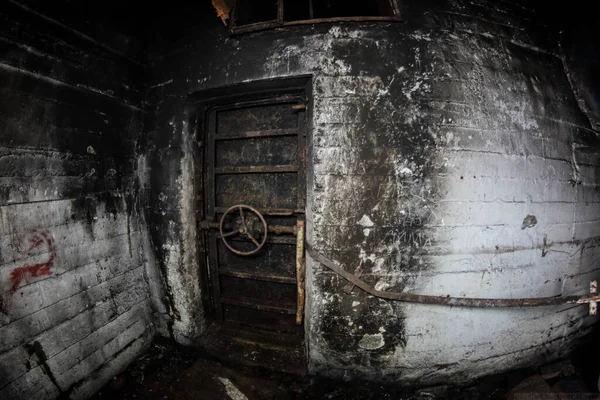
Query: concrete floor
column 168, row 371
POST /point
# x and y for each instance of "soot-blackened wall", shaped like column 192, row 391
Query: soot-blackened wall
column 448, row 157
column 74, row 305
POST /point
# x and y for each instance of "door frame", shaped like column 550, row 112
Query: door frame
column 199, row 109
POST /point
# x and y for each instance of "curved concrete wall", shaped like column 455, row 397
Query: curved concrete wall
column 449, row 157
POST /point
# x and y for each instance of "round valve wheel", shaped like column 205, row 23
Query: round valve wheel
column 249, row 223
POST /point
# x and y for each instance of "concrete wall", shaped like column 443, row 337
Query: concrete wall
column 74, row 302
column 449, row 157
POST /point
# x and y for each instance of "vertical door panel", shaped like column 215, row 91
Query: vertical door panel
column 255, row 156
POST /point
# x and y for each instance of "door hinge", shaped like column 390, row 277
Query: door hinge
column 208, row 225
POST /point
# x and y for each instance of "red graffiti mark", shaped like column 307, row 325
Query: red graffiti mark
column 37, row 239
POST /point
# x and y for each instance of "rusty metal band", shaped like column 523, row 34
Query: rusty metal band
column 447, row 300
column 300, row 271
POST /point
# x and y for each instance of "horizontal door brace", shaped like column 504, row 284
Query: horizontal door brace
column 257, row 169
column 258, row 134
column 276, row 229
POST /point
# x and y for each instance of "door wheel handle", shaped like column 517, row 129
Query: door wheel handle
column 245, row 226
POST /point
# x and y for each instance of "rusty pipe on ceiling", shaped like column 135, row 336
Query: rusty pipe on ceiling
column 456, row 301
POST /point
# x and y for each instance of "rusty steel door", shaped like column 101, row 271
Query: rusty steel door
column 255, row 202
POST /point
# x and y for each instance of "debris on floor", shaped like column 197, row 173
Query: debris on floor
column 554, row 381
column 556, row 370
column 534, row 384
column 169, row 371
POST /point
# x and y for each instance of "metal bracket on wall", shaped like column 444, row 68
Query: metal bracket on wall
column 592, row 300
column 350, row 286
column 593, row 291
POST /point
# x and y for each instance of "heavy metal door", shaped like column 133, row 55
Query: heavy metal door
column 255, row 192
